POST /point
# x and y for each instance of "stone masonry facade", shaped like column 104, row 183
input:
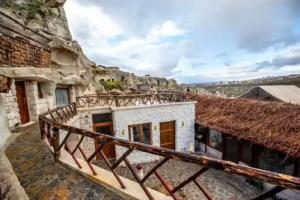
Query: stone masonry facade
column 36, row 104
column 19, row 52
column 9, row 101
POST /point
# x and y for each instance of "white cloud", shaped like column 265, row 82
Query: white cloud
column 167, row 29
column 181, row 39
column 91, row 19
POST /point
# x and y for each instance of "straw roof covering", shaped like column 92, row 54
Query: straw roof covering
column 274, row 125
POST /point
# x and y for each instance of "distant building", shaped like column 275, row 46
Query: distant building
column 146, row 87
column 284, row 93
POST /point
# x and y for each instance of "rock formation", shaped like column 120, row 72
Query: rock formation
column 69, row 65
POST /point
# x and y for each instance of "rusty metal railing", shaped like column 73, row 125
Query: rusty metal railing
column 52, row 125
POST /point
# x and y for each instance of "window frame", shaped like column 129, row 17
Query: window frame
column 141, row 132
column 40, row 91
column 69, row 94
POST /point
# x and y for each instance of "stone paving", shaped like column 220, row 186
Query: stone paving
column 221, row 185
column 44, row 179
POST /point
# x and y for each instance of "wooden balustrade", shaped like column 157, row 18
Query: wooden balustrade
column 52, row 124
column 130, row 99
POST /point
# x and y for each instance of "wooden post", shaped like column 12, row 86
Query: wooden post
column 75, row 109
column 42, row 128
column 117, row 101
column 56, row 143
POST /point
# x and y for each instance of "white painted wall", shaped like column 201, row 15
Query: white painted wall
column 4, row 130
column 183, row 113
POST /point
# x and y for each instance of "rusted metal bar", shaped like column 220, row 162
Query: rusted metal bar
column 111, row 169
column 67, row 148
column 166, row 185
column 62, row 119
column 163, row 161
column 269, row 193
column 187, row 181
column 64, row 141
column 137, row 178
column 121, row 159
column 97, row 151
column 89, row 164
column 66, row 116
column 203, row 190
column 78, row 144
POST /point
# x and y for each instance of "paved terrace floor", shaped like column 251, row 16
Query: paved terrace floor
column 42, row 178
column 221, row 185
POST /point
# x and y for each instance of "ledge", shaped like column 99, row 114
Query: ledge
column 153, row 105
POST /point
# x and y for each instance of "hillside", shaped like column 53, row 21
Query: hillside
column 237, row 88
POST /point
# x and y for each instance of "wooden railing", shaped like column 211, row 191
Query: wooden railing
column 52, row 125
column 130, row 99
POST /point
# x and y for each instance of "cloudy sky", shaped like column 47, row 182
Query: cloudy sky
column 190, row 40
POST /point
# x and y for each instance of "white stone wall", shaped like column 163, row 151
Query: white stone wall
column 86, row 119
column 182, row 113
column 9, row 102
column 36, row 105
column 4, row 133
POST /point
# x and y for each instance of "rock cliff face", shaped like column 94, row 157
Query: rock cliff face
column 46, row 16
column 69, row 64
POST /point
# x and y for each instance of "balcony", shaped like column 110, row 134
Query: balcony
column 68, row 146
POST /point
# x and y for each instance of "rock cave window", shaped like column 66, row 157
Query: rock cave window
column 62, row 96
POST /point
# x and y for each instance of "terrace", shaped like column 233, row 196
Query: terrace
column 67, row 141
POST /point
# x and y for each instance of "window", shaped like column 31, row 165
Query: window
column 201, row 134
column 276, row 162
column 101, row 118
column 140, row 133
column 232, row 149
column 62, row 96
column 246, row 152
column 40, row 93
column 215, row 139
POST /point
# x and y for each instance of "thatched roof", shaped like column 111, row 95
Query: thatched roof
column 272, row 124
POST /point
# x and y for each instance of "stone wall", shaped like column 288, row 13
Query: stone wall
column 182, row 113
column 4, row 133
column 9, row 101
column 36, row 104
column 18, row 52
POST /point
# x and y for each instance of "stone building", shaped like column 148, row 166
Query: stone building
column 168, row 125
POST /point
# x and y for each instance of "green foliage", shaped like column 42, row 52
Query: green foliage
column 34, row 7
column 109, row 85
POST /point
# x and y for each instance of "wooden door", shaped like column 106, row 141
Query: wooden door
column 107, row 129
column 167, row 135
column 22, row 102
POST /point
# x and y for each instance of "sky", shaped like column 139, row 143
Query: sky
column 192, row 41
